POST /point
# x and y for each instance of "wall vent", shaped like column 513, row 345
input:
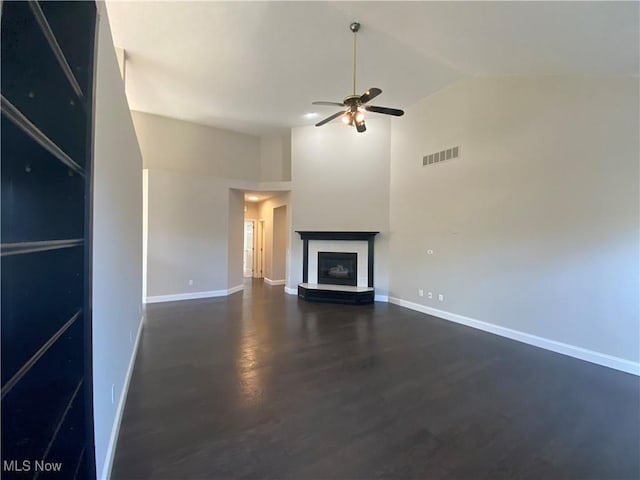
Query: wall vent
column 441, row 156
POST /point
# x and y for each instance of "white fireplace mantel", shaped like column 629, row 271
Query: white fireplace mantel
column 361, row 243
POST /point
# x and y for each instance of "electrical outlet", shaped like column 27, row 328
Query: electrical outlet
column 440, row 297
column 190, row 282
column 421, row 293
column 430, row 295
column 113, row 393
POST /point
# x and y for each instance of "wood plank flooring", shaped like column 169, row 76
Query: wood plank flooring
column 263, row 385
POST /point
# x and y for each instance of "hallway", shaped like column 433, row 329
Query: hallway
column 263, row 385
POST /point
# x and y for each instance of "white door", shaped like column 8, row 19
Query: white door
column 248, row 248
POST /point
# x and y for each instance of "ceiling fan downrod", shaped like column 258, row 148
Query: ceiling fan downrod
column 355, row 28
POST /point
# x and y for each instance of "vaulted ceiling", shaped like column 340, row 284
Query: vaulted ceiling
column 256, row 67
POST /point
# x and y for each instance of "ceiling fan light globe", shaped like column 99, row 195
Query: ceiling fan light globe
column 359, row 117
column 346, row 119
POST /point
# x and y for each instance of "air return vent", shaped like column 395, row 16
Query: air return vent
column 441, row 156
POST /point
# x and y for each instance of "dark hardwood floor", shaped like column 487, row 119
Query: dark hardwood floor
column 263, row 385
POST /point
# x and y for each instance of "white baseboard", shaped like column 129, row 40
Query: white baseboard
column 291, row 291
column 193, row 295
column 236, row 289
column 268, row 281
column 558, row 347
column 115, row 430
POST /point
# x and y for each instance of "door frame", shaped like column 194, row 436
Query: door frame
column 253, row 248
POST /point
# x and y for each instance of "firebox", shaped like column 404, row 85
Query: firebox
column 338, row 268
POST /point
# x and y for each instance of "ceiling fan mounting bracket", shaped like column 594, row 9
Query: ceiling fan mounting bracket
column 354, row 27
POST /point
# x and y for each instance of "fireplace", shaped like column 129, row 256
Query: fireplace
column 338, row 268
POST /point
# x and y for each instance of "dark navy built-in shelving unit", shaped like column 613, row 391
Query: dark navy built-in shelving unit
column 47, row 64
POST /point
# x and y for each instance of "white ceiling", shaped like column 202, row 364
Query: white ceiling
column 255, row 67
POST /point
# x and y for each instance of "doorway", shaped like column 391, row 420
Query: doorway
column 249, row 239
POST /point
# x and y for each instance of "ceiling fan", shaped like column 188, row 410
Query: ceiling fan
column 356, row 104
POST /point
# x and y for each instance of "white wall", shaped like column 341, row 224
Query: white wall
column 188, row 232
column 280, row 236
column 235, row 239
column 176, row 145
column 117, row 246
column 275, row 157
column 251, row 211
column 194, row 235
column 194, row 221
column 340, row 181
column 535, row 227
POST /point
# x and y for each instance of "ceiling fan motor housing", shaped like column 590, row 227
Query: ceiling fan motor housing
column 352, row 101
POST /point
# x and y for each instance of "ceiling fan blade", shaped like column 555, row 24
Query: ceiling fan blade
column 373, row 92
column 387, row 111
column 328, row 119
column 361, row 127
column 330, row 104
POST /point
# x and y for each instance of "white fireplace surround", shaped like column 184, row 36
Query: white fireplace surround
column 359, row 247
